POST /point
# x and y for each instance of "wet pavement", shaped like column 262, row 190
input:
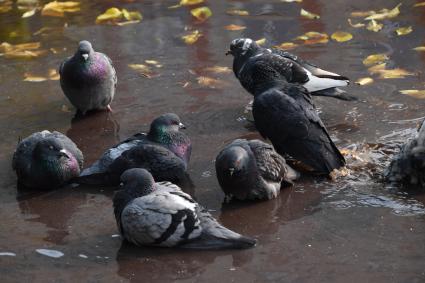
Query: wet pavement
column 351, row 230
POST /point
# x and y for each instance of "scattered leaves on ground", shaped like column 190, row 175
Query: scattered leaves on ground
column 362, row 14
column 286, row 46
column 416, row 93
column 52, row 76
column 235, row 12
column 58, row 9
column 420, row 4
column 374, row 26
column 404, row 30
column 358, row 25
column 210, row 82
column 201, row 13
column 419, row 48
column 143, row 70
column 261, row 41
column 313, row 37
column 5, row 6
column 385, row 14
column 375, row 59
column 341, row 36
column 218, row 70
column 192, row 37
column 115, row 16
column 21, row 51
column 309, row 15
column 364, row 81
column 187, row 3
column 396, row 73
column 234, row 27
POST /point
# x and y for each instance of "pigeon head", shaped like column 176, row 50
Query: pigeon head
column 137, row 181
column 165, row 124
column 233, row 162
column 84, row 50
column 50, row 149
column 242, row 46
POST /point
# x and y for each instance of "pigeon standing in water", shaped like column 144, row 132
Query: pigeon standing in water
column 252, row 170
column 284, row 113
column 46, row 160
column 254, row 65
column 88, row 79
column 408, row 166
column 164, row 151
column 160, row 214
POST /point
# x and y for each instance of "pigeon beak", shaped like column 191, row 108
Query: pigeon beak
column 182, row 126
column 229, row 52
column 85, row 56
column 63, row 153
column 231, row 171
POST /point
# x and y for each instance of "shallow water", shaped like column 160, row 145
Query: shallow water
column 354, row 229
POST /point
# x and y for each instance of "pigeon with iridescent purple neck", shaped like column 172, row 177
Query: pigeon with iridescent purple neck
column 88, row 79
column 46, row 160
column 164, row 151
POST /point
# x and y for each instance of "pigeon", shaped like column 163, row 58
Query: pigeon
column 46, row 160
column 250, row 170
column 408, row 166
column 88, row 79
column 164, row 150
column 253, row 65
column 161, row 214
column 284, row 113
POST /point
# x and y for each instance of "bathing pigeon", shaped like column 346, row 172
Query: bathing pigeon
column 284, row 113
column 164, row 150
column 161, row 214
column 88, row 79
column 408, row 166
column 46, row 160
column 253, row 65
column 252, row 170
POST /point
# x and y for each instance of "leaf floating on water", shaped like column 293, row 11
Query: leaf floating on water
column 377, row 68
column 28, row 14
column 416, row 93
column 389, row 74
column 5, row 6
column 186, row 3
column 140, row 68
column 192, row 37
column 21, row 51
column 375, row 59
column 419, row 48
column 261, row 41
column 358, row 25
column 53, row 75
column 313, row 37
column 114, row 15
column 201, row 13
column 362, row 14
column 404, row 30
column 364, row 81
column 132, row 15
column 234, row 27
column 210, row 82
column 385, row 14
column 218, row 70
column 33, row 78
column 374, row 26
column 110, row 14
column 309, row 15
column 58, row 9
column 50, row 253
column 421, row 4
column 234, row 12
column 286, row 46
column 153, row 63
column 341, row 36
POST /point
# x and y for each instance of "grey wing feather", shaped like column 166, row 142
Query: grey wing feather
column 271, row 165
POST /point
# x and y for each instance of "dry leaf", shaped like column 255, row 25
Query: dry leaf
column 404, row 30
column 286, row 46
column 152, row 62
column 58, row 9
column 419, row 4
column 362, row 14
column 358, row 25
column 127, row 23
column 364, row 81
column 53, row 75
column 234, row 12
column 374, row 26
column 143, row 70
column 114, row 15
column 192, row 37
column 416, row 93
column 377, row 68
column 234, row 27
column 375, row 59
column 419, row 48
column 5, row 6
column 341, row 36
column 210, row 82
column 201, row 13
column 31, row 78
column 22, row 51
column 385, row 14
column 190, row 2
column 309, row 15
column 261, row 41
column 29, row 13
column 313, row 37
column 389, row 74
column 218, row 70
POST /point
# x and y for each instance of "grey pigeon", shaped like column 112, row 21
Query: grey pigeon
column 252, row 170
column 161, row 214
column 408, row 166
column 46, row 160
column 284, row 113
column 88, row 79
column 164, row 150
column 254, row 65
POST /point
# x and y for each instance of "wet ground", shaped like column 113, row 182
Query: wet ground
column 351, row 230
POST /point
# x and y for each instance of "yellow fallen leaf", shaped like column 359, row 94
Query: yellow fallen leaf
column 132, row 15
column 5, row 6
column 385, row 14
column 126, row 23
column 416, row 93
column 210, row 82
column 143, row 70
column 22, row 51
column 29, row 13
column 58, row 9
column 112, row 14
column 375, row 59
column 309, row 15
column 419, row 4
column 364, row 81
column 201, row 13
column 7, row 47
column 234, row 27
column 419, row 48
column 152, row 62
column 286, row 46
column 404, row 30
column 358, row 25
column 261, row 41
column 190, row 2
column 218, row 70
column 234, row 12
column 377, row 68
column 313, row 37
column 362, row 14
column 389, row 74
column 192, row 37
column 31, row 78
column 53, row 75
column 341, row 36
column 374, row 26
